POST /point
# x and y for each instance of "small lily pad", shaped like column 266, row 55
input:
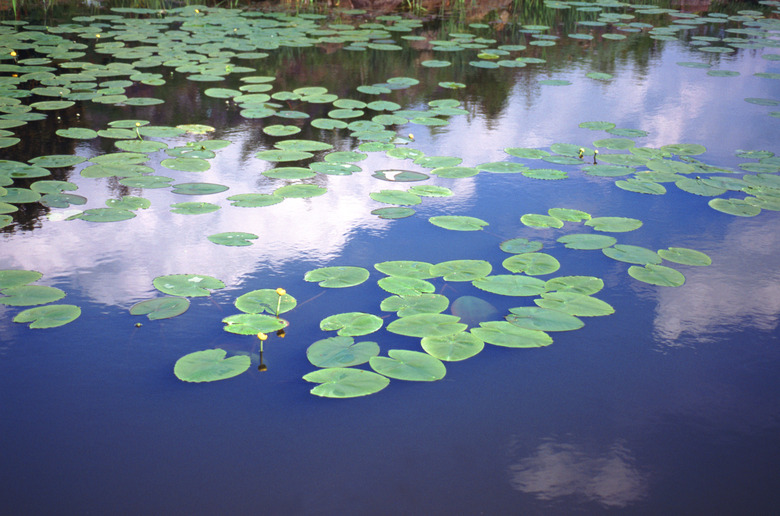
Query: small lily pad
column 462, row 270
column 520, row 245
column 393, row 213
column 161, row 308
column 233, row 238
column 541, row 221
column 210, row 365
column 403, row 364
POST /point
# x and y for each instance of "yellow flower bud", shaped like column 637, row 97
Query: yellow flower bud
column 281, row 291
column 262, row 336
column 13, row 53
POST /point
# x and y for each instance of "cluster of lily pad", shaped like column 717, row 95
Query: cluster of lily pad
column 16, row 290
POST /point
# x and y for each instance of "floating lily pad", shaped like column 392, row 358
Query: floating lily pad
column 632, row 254
column 186, row 164
column 161, row 308
column 586, row 285
column 17, row 277
column 510, row 285
column 146, row 181
column 57, row 161
column 265, row 300
column 193, row 208
column 458, row 222
column 641, row 186
column 685, row 149
column 543, row 319
column 545, row 173
column 520, row 245
column 198, row 188
column 405, row 268
column 462, row 270
column 352, row 324
column 456, row 347
column 129, row 202
column 502, row 167
column 252, row 324
column 614, row 224
column 685, row 256
column 104, row 215
column 30, row 295
column 299, row 191
column 187, row 285
column 533, row 264
column 505, row 334
column 569, row 214
column 587, row 241
column 405, row 306
column 657, row 275
column 430, row 191
column 280, row 155
column 337, row 277
column 427, row 325
column 738, row 207
column 575, row 304
column 210, row 365
column 393, row 213
column 403, row 364
column 342, row 382
column 254, row 200
column 396, row 197
column 403, row 286
column 77, row 133
column 541, row 221
column 233, row 238
column 50, row 316
column 341, row 352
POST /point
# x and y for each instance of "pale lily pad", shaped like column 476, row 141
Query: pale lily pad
column 502, row 333
column 337, row 277
column 186, row 164
column 210, row 365
column 343, row 382
column 265, row 300
column 614, row 224
column 402, row 286
column 685, row 256
column 30, row 295
column 129, row 202
column 734, row 206
column 161, row 308
column 198, row 188
column 352, row 324
column 104, row 215
column 657, row 275
column 510, row 285
column 455, row 172
column 632, row 254
column 452, row 348
column 187, row 285
column 405, row 268
column 462, row 270
column 393, row 213
column 520, row 245
column 252, row 324
column 403, row 364
column 405, row 306
column 341, row 352
column 541, row 221
column 587, row 241
column 50, row 316
column 641, row 186
column 430, row 191
column 458, row 222
column 280, row 155
column 233, row 238
column 57, row 161
column 427, row 325
column 193, row 208
column 569, row 214
column 300, row 191
column 17, row 277
column 685, row 149
column 548, row 174
column 586, row 285
column 575, row 304
column 254, row 200
column 533, row 264
column 544, row 319
column 396, row 197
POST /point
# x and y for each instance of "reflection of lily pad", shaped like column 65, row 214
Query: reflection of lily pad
column 403, row 364
column 341, row 352
column 343, row 382
column 210, row 365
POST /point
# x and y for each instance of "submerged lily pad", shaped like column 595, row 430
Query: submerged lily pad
column 187, row 285
column 343, row 382
column 210, row 365
column 161, row 308
column 50, row 316
column 403, row 364
column 341, row 352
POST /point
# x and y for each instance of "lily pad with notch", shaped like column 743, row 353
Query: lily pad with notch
column 187, row 285
column 344, row 382
column 210, row 365
column 505, row 334
column 161, row 308
column 351, row 324
column 341, row 351
column 338, row 276
column 543, row 319
column 50, row 316
column 402, row 364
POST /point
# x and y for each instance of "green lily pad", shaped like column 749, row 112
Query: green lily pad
column 427, row 325
column 57, row 161
column 265, row 300
column 455, row 172
column 252, row 324
column 453, row 348
column 342, row 382
column 585, row 285
column 657, row 275
column 193, row 208
column 685, row 149
column 50, row 316
column 233, row 238
column 614, row 224
column 738, row 207
column 543, row 319
column 198, row 188
column 587, row 241
column 462, row 270
column 597, row 126
column 129, row 202
column 405, row 268
column 145, row 181
column 607, row 170
column 403, row 364
column 569, row 214
column 77, row 133
column 254, row 200
column 187, row 285
column 520, row 245
column 533, row 264
column 541, row 221
column 352, row 324
column 299, row 191
column 575, row 304
column 186, row 164
column 393, row 213
column 458, row 222
column 405, row 306
column 337, row 277
column 341, row 352
column 20, row 196
column 685, row 256
column 510, row 285
column 526, row 153
column 502, row 167
column 402, row 286
column 280, row 155
column 17, row 277
column 161, row 308
column 210, row 365
column 104, row 215
column 641, row 186
column 615, row 143
column 548, row 174
column 29, row 295
column 502, row 333
column 396, row 197
column 697, row 186
column 430, row 191
column 632, row 254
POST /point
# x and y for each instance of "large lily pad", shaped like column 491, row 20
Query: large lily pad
column 580, row 284
column 50, row 316
column 337, row 277
column 458, row 222
column 685, row 256
column 343, row 382
column 403, row 364
column 405, row 306
column 17, row 277
column 402, row 286
column 632, row 254
column 265, row 300
column 735, row 206
column 510, row 285
column 462, row 270
column 29, row 295
column 541, row 221
column 352, row 324
column 210, row 365
column 252, row 324
column 187, row 285
column 588, row 241
column 407, row 268
column 575, row 304
column 614, row 224
column 341, row 352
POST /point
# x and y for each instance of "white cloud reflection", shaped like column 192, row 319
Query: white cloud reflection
column 559, row 469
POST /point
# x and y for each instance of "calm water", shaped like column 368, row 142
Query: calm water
column 668, row 406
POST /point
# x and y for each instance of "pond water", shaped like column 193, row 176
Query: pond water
column 669, row 405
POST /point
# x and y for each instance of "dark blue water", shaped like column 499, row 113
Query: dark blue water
column 668, row 406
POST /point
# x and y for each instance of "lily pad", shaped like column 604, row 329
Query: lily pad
column 104, row 215
column 186, row 164
column 510, row 285
column 402, row 286
column 193, row 208
column 734, row 206
column 427, row 325
column 343, row 382
column 632, row 254
column 300, row 191
column 403, row 364
column 29, row 295
column 587, row 241
column 569, row 214
column 502, row 333
column 520, row 245
column 405, row 306
column 50, row 316
column 161, row 308
column 544, row 319
column 405, row 268
column 341, row 352
column 399, row 197
column 252, row 324
column 393, row 213
column 187, row 285
column 575, row 304
column 533, row 264
column 541, row 221
column 458, row 222
column 198, row 188
column 17, row 277
column 685, row 256
column 210, row 365
column 352, row 324
column 614, row 224
column 462, row 270
column 657, row 275
column 265, row 300
column 586, row 285
column 337, row 277
column 233, row 238
column 254, row 200
column 452, row 348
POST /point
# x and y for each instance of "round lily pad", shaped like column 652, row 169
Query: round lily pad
column 575, row 304
column 17, row 277
column 50, row 316
column 265, row 300
column 393, row 213
column 252, row 324
column 533, row 264
column 520, row 245
column 341, row 352
column 403, row 364
column 352, row 324
column 210, row 365
column 587, row 241
column 402, row 286
column 198, row 188
column 161, row 308
column 405, row 268
column 29, row 295
column 337, row 277
column 657, row 275
column 343, row 382
column 186, row 164
column 586, row 285
column 541, row 221
column 427, row 325
column 104, row 215
column 396, row 197
column 462, row 270
column 452, row 348
column 632, row 254
column 405, row 306
column 299, row 191
column 254, row 200
column 734, row 206
column 193, row 208
column 187, row 285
